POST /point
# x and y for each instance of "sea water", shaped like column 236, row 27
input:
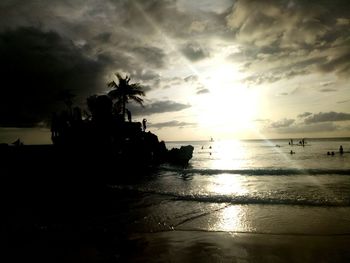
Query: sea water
column 253, row 186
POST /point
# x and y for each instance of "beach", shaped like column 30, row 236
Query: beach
column 238, row 206
column 228, row 247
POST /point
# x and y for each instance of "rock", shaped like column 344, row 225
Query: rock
column 180, row 156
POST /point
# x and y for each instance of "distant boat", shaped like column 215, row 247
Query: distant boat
column 211, row 139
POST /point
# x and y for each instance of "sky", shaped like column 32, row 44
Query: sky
column 227, row 69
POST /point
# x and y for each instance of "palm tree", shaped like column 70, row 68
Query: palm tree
column 124, row 91
column 67, row 97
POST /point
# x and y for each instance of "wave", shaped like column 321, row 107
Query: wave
column 259, row 171
column 238, row 200
column 245, row 200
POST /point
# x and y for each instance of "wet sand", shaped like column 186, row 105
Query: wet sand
column 201, row 246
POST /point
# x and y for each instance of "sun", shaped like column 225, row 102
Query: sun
column 229, row 107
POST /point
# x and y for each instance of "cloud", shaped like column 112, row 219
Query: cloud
column 194, row 52
column 310, row 128
column 284, row 39
column 191, row 78
column 170, row 82
column 151, row 55
column 36, row 67
column 312, row 123
column 146, row 75
column 305, row 114
column 104, row 37
column 261, row 120
column 158, row 107
column 338, row 62
column 174, row 123
column 327, row 117
column 343, row 101
column 327, row 90
column 202, row 91
column 327, row 83
column 282, row 123
column 282, row 72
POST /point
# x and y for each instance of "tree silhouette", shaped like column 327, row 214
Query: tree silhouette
column 124, row 91
column 67, row 97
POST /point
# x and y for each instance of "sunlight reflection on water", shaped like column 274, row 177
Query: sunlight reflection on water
column 228, row 155
column 227, row 184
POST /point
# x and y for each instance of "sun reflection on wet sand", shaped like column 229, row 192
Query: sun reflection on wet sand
column 234, row 218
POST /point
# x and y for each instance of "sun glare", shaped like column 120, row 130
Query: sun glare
column 229, row 107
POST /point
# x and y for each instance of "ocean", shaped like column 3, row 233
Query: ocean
column 236, row 192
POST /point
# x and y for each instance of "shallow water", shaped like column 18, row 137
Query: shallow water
column 257, row 172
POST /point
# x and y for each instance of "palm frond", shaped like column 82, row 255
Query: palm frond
column 136, row 99
column 112, row 84
column 124, row 91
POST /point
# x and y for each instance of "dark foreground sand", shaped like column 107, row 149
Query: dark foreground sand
column 195, row 246
column 108, row 243
column 111, row 228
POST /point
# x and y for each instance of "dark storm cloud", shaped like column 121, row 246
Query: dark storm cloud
column 291, row 38
column 104, row 37
column 60, row 45
column 36, row 67
column 174, row 123
column 327, row 117
column 194, row 52
column 282, row 123
column 158, row 107
column 151, row 55
column 151, row 17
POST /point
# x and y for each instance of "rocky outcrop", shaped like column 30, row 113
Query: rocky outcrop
column 180, row 156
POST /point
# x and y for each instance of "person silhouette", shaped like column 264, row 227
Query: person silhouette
column 54, row 125
column 341, row 151
column 144, row 121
